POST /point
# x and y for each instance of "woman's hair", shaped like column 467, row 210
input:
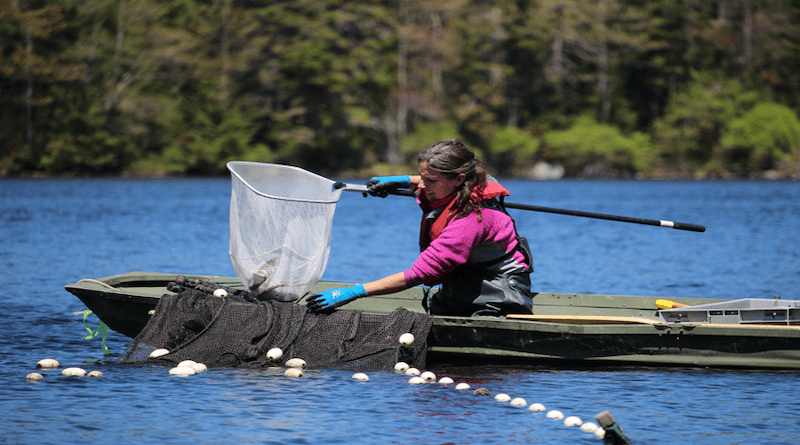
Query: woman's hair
column 451, row 158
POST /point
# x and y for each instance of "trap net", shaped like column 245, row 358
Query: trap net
column 280, row 222
column 234, row 332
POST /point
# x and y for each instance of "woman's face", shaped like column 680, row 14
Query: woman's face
column 436, row 185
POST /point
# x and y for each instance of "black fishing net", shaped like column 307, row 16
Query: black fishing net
column 234, row 332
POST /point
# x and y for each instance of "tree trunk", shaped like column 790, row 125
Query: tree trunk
column 437, row 84
column 557, row 50
column 225, row 49
column 513, row 109
column 29, row 79
column 496, row 58
column 396, row 130
column 113, row 92
column 747, row 41
column 29, row 91
column 90, row 58
column 603, row 82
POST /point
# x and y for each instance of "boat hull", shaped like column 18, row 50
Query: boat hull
column 673, row 345
column 572, row 330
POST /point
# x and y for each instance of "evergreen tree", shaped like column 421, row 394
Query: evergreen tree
column 182, row 87
column 32, row 68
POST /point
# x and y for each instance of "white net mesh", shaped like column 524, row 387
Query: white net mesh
column 281, row 219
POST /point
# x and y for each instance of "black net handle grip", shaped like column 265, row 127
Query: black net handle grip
column 650, row 222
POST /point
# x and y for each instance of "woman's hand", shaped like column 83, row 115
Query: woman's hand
column 330, row 299
column 383, row 185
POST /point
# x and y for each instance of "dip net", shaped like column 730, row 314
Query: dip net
column 281, row 219
column 234, row 332
column 280, row 234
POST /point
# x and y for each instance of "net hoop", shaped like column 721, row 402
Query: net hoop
column 236, row 166
column 281, row 220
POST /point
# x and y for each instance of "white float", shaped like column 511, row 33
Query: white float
column 47, row 363
column 187, row 364
column 74, row 372
column 182, row 371
column 555, row 414
column 293, row 372
column 296, row 363
column 600, row 433
column 502, row 397
column 407, row 338
column 159, row 352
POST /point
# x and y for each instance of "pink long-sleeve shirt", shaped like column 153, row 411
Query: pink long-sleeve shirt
column 463, row 240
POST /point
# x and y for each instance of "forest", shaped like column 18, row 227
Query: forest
column 684, row 89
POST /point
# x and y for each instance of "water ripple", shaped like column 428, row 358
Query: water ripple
column 56, row 232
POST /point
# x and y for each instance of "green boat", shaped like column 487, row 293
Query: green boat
column 565, row 330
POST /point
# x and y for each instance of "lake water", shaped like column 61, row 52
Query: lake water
column 56, row 232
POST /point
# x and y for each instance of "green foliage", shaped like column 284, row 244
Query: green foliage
column 692, row 125
column 182, row 87
column 96, row 153
column 598, row 146
column 210, row 140
column 511, row 150
column 766, row 134
column 426, row 133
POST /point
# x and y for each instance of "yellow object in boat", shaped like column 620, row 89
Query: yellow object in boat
column 667, row 304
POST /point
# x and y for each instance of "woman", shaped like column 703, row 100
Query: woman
column 468, row 242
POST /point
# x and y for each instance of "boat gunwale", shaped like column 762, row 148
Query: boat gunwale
column 121, row 286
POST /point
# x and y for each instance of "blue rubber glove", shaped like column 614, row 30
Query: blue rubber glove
column 382, row 185
column 332, row 298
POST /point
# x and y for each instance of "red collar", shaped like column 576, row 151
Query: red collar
column 431, row 228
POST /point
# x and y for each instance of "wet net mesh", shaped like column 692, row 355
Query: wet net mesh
column 281, row 218
column 234, row 332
